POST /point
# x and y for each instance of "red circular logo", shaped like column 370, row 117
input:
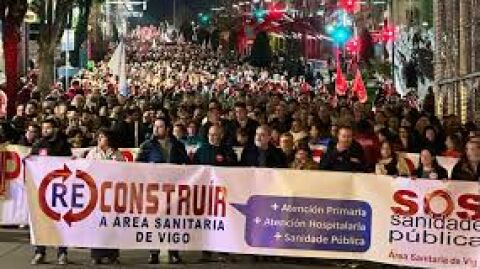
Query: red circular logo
column 65, row 173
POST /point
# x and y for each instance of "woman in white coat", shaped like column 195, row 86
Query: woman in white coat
column 105, row 150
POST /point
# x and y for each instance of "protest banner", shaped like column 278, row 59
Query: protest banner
column 422, row 223
column 13, row 206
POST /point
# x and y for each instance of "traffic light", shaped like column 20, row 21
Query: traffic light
column 259, row 14
column 329, row 29
column 203, row 19
column 340, row 34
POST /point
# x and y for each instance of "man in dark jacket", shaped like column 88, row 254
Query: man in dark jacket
column 130, row 130
column 345, row 155
column 263, row 153
column 468, row 168
column 31, row 135
column 214, row 152
column 287, row 146
column 7, row 131
column 281, row 121
column 243, row 121
column 162, row 147
column 52, row 143
column 214, row 118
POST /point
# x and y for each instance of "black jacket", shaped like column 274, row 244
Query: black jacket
column 282, row 126
column 229, row 136
column 125, row 132
column 391, row 167
column 217, row 156
column 442, row 173
column 7, row 131
column 334, row 160
column 24, row 142
column 251, row 128
column 150, row 152
column 274, row 157
column 463, row 171
column 55, row 146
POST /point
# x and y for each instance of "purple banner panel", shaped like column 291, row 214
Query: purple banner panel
column 307, row 223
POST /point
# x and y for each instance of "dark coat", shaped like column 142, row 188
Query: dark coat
column 463, row 171
column 151, row 152
column 371, row 148
column 55, row 146
column 274, row 157
column 217, row 156
column 282, row 126
column 125, row 132
column 24, row 142
column 334, row 160
column 7, row 131
column 442, row 173
column 229, row 136
column 251, row 128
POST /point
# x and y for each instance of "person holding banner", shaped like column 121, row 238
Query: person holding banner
column 390, row 162
column 303, row 158
column 468, row 168
column 345, row 155
column 429, row 168
column 163, row 147
column 52, row 143
column 214, row 152
column 263, row 153
column 105, row 150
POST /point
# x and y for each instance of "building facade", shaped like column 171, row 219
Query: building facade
column 412, row 12
column 457, row 58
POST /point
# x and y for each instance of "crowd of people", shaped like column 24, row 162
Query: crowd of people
column 183, row 96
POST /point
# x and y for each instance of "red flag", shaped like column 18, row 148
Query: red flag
column 359, row 87
column 340, row 82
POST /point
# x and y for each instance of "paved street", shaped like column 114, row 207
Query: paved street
column 16, row 252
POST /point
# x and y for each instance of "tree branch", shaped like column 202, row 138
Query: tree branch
column 61, row 18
